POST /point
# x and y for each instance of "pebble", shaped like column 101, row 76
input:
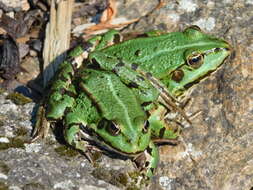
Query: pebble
column 4, row 140
column 23, row 4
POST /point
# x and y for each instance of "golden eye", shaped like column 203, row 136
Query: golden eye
column 177, row 75
column 195, row 60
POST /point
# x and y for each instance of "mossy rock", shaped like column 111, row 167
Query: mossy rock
column 18, row 99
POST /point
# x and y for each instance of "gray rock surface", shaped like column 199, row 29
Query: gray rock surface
column 215, row 152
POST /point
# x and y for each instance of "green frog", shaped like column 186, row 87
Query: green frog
column 117, row 93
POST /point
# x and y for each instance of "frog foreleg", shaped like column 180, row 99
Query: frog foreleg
column 107, row 39
column 160, row 128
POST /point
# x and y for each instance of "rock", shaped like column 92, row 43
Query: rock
column 15, row 4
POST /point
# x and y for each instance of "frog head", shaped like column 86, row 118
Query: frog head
column 201, row 54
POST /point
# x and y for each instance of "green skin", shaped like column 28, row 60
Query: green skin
column 110, row 100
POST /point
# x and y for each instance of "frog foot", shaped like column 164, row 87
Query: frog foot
column 42, row 125
column 147, row 161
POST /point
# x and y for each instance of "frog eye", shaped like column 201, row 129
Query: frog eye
column 195, row 60
column 177, row 75
column 112, row 128
column 194, row 27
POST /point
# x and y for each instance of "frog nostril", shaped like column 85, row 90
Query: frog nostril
column 177, row 75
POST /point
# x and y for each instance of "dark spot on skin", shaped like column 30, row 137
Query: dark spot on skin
column 148, row 75
column 152, row 170
column 75, row 65
column 95, row 64
column 121, row 64
column 144, row 104
column 134, row 66
column 62, row 91
column 82, row 127
column 161, row 132
column 101, row 124
column 177, row 75
column 112, row 128
column 116, row 38
column 149, row 150
column 61, row 77
column 86, row 46
column 189, row 85
column 140, row 78
column 147, row 164
column 67, row 110
column 128, row 140
column 216, row 50
column 133, row 85
column 71, row 60
column 145, row 127
column 137, row 52
column 71, row 94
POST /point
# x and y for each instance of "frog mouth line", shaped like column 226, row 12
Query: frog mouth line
column 189, row 85
column 103, row 145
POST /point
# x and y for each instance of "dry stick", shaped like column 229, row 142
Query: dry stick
column 57, row 37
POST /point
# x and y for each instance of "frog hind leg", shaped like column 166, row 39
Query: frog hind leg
column 77, row 120
column 42, row 125
column 148, row 160
column 60, row 96
column 73, row 134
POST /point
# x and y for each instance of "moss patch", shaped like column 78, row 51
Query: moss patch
column 3, row 186
column 4, row 168
column 111, row 176
column 36, row 186
column 14, row 143
column 1, row 123
column 66, row 151
column 20, row 131
column 18, row 99
column 2, row 90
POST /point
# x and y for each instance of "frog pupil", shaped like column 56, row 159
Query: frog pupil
column 195, row 61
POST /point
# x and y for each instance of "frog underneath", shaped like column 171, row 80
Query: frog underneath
column 119, row 93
